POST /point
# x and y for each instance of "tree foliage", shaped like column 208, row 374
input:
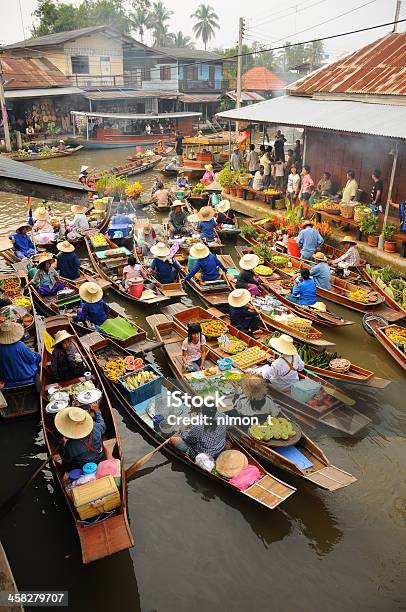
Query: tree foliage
column 206, row 23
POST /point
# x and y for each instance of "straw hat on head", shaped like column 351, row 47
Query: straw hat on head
column 42, row 257
column 349, row 239
column 223, row 206
column 239, row 298
column 74, row 423
column 320, row 256
column 208, row 167
column 236, row 148
column 320, row 306
column 307, row 222
column 249, row 261
column 90, row 292
column 230, row 463
column 5, row 244
column 23, row 225
column 62, row 335
column 284, row 344
column 40, row 214
column 10, row 332
column 199, row 250
column 160, row 250
column 176, row 203
column 194, row 218
column 206, row 213
column 181, row 172
column 77, row 209
column 65, row 247
column 84, row 168
column 174, row 159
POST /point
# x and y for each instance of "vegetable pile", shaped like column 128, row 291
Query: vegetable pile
column 263, row 270
column 236, row 346
column 277, row 429
column 279, row 260
column 213, row 328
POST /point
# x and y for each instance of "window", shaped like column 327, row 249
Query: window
column 147, row 73
column 80, row 64
column 190, row 73
column 165, row 73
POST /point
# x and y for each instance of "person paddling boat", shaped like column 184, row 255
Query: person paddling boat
column 283, row 372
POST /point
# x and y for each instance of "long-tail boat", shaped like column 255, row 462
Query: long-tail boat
column 378, row 327
column 131, row 167
column 28, row 157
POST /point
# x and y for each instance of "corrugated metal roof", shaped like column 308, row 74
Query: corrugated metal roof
column 338, row 115
column 197, row 98
column 62, row 37
column 118, row 94
column 260, row 78
column 28, row 73
column 150, row 116
column 40, row 93
column 378, row 68
column 246, row 96
column 185, row 53
column 16, row 170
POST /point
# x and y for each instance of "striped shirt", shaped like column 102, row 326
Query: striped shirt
column 202, row 440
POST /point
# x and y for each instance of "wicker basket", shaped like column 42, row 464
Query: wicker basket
column 347, row 210
column 404, row 297
column 302, row 325
column 360, row 213
column 340, row 366
column 333, row 211
column 398, row 293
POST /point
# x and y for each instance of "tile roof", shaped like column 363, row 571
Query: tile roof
column 22, row 73
column 260, row 78
column 377, row 69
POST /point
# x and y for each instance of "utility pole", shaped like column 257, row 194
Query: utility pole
column 239, row 64
column 397, row 13
column 4, row 111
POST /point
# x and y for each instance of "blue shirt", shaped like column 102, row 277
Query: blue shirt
column 305, row 290
column 76, row 453
column 166, row 271
column 18, row 364
column 206, row 229
column 95, row 313
column 68, row 265
column 208, row 267
column 23, row 243
column 322, row 275
column 241, row 317
column 309, row 240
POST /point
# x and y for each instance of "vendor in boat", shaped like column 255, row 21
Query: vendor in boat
column 208, row 264
column 209, row 438
column 46, row 278
column 350, row 258
column 225, row 215
column 22, row 243
column 83, row 436
column 182, row 182
column 132, row 273
column 18, row 363
column 246, row 278
column 304, row 291
column 164, row 268
column 177, row 220
column 242, row 317
column 161, row 195
column 173, row 165
column 62, row 146
column 208, row 176
column 66, row 360
column 321, row 272
column 194, row 349
column 309, row 240
column 207, row 224
column 84, row 176
column 146, row 239
column 42, row 223
column 93, row 308
column 67, row 262
column 79, row 224
column 283, row 372
column 325, row 185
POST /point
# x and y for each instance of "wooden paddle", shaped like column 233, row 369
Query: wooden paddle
column 342, row 397
column 141, row 462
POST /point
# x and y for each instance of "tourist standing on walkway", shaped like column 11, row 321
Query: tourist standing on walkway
column 306, row 191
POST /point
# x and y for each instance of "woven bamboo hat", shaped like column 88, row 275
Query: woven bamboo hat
column 42, row 257
column 307, row 222
column 84, row 168
column 23, row 225
column 223, row 206
column 349, row 239
column 320, row 256
column 320, row 306
column 160, row 250
column 5, row 244
column 206, row 213
column 208, row 167
column 40, row 213
column 77, row 209
column 194, row 218
column 249, row 261
column 283, row 344
column 74, row 423
column 230, row 463
column 10, row 332
column 65, row 247
column 199, row 250
column 176, row 203
column 62, row 335
column 90, row 292
column 239, row 298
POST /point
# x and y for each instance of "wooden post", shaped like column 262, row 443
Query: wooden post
column 239, row 66
column 229, row 142
column 87, row 127
column 389, row 198
column 4, row 111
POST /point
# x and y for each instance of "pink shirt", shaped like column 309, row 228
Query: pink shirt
column 194, row 351
column 132, row 273
column 307, row 183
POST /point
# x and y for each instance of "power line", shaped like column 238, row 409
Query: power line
column 286, row 12
column 294, row 12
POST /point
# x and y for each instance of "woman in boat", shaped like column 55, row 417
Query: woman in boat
column 83, row 436
column 173, row 165
column 42, row 223
column 241, row 316
column 208, row 264
column 321, row 272
column 177, row 220
column 304, row 291
column 246, row 278
column 208, row 438
column 46, row 278
column 67, row 262
column 349, row 259
column 18, row 363
column 207, row 224
column 208, row 176
column 132, row 273
column 22, row 243
column 225, row 215
column 194, row 349
column 253, row 397
column 182, row 182
column 161, row 196
column 282, row 373
column 93, row 308
column 79, row 223
column 84, row 176
column 309, row 240
column 147, row 239
column 66, row 360
column 165, row 269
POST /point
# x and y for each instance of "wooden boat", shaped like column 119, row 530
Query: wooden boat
column 112, row 266
column 229, row 233
column 214, row 293
column 110, row 532
column 366, row 274
column 130, row 168
column 196, row 314
column 269, row 491
column 38, row 156
column 376, row 326
column 7, row 582
column 336, row 415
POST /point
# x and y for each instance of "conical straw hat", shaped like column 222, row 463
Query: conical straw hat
column 90, row 292
column 239, row 298
column 74, row 423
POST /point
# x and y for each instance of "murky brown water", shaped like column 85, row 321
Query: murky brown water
column 198, row 546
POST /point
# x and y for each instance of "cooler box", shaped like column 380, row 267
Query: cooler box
column 96, row 497
column 145, row 391
column 305, row 389
column 122, row 230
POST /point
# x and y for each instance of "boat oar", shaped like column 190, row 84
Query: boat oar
column 141, row 462
column 342, row 397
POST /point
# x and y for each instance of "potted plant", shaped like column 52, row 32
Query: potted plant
column 388, row 233
column 225, row 178
column 368, row 226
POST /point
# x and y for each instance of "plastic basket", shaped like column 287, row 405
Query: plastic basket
column 398, row 286
column 145, row 391
column 304, row 390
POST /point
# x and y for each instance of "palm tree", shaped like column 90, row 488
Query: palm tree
column 141, row 20
column 206, row 22
column 182, row 42
column 161, row 36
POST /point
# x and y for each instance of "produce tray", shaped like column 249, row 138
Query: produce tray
column 242, row 364
column 293, row 440
column 145, row 391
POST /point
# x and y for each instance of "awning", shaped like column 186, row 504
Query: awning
column 337, row 115
column 145, row 116
column 122, row 94
column 198, row 98
column 13, row 94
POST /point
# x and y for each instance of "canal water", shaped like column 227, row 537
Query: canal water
column 197, row 545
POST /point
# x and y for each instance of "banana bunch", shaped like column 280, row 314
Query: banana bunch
column 136, row 380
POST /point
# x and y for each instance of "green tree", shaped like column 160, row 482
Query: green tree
column 315, row 53
column 182, row 42
column 54, row 18
column 161, row 37
column 206, row 22
column 141, row 19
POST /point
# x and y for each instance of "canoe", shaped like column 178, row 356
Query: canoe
column 230, row 233
column 213, row 293
column 366, row 274
column 50, row 155
column 336, row 415
column 195, row 314
column 113, row 267
column 269, row 491
column 131, row 168
column 101, row 226
column 110, row 532
column 376, row 326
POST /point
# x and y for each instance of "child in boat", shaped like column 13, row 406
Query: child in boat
column 224, row 213
column 47, row 277
column 207, row 224
column 246, row 278
column 194, row 349
column 66, row 361
column 93, row 308
column 132, row 272
column 18, row 363
column 166, row 269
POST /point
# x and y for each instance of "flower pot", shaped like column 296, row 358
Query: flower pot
column 389, row 246
column 233, row 191
column 240, row 193
column 373, row 241
column 226, row 189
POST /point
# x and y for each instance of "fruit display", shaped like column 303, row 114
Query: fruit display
column 319, row 206
column 397, row 335
column 22, row 301
column 98, row 240
column 236, row 346
column 249, row 357
column 133, row 363
column 318, row 359
column 290, row 271
column 114, row 368
column 302, row 325
column 279, row 260
column 263, row 270
column 213, row 329
column 211, row 371
column 134, row 381
column 363, row 295
column 276, row 429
